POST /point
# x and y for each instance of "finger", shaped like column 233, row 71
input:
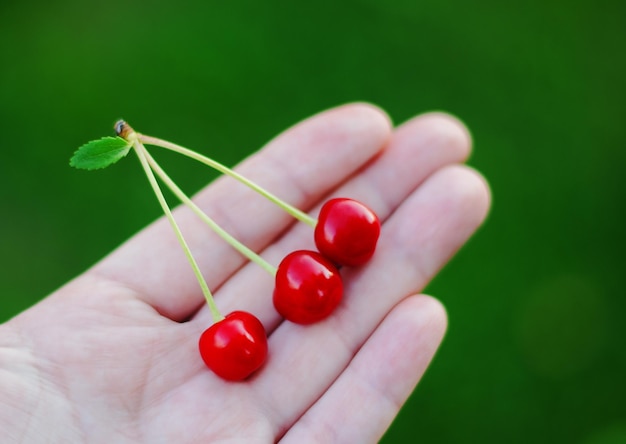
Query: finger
column 361, row 404
column 336, row 142
column 418, row 148
column 416, row 241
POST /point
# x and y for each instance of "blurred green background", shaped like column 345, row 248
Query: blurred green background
column 535, row 350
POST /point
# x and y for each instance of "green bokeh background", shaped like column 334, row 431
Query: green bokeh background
column 535, row 351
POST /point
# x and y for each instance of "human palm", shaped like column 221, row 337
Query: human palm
column 112, row 356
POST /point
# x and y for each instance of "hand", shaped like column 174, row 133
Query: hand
column 112, row 356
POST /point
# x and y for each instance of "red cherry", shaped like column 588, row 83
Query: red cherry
column 234, row 347
column 347, row 232
column 308, row 287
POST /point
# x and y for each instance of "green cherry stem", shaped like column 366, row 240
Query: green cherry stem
column 142, row 153
column 245, row 251
column 301, row 216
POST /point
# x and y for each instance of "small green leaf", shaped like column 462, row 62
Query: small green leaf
column 100, row 153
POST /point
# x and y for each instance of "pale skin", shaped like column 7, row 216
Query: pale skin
column 112, row 356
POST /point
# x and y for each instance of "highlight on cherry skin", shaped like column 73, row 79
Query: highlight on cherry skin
column 347, row 232
column 308, row 287
column 234, row 347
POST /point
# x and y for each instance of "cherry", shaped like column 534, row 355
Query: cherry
column 308, row 287
column 308, row 284
column 347, row 232
column 234, row 347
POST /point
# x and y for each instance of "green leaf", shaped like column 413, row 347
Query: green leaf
column 100, row 153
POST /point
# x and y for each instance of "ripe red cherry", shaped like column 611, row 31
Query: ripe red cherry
column 347, row 232
column 308, row 287
column 234, row 347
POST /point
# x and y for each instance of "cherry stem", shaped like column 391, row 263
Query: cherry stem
column 245, row 251
column 300, row 215
column 142, row 153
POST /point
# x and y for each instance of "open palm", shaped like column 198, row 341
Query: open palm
column 112, row 356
